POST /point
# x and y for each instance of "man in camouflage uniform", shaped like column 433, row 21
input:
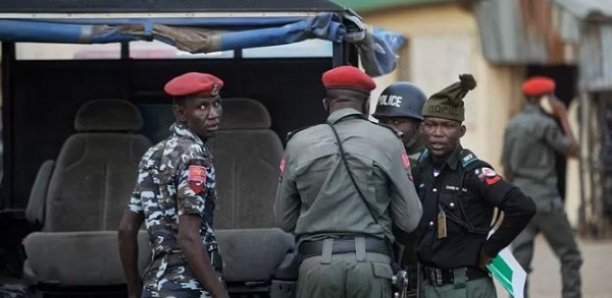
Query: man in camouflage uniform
column 530, row 143
column 341, row 202
column 175, row 197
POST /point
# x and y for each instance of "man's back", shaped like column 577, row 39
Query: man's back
column 331, row 205
column 342, row 213
column 530, row 142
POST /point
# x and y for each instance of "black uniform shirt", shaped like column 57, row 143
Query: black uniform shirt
column 467, row 190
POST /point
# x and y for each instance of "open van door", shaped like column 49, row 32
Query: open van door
column 61, row 57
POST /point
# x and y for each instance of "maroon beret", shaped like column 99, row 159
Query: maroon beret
column 348, row 77
column 194, row 83
column 538, row 85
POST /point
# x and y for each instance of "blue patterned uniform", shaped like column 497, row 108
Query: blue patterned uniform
column 165, row 191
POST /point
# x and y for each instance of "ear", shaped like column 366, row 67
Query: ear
column 463, row 129
column 325, row 104
column 179, row 113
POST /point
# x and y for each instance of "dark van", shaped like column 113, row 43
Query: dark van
column 82, row 99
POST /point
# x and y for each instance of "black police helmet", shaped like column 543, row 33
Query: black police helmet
column 401, row 99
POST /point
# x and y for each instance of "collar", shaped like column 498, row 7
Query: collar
column 453, row 159
column 338, row 115
column 180, row 130
column 530, row 108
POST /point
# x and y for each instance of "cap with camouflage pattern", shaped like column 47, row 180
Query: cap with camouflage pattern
column 448, row 103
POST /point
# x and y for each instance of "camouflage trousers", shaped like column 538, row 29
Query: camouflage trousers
column 171, row 276
column 461, row 288
column 345, row 275
column 174, row 290
column 556, row 229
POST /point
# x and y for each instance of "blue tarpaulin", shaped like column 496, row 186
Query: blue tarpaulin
column 202, row 35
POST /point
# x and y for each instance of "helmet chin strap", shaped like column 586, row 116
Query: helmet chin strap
column 411, row 141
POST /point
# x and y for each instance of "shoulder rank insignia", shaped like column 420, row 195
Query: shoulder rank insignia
column 424, row 155
column 467, row 158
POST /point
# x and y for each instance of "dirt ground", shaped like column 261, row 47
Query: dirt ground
column 545, row 280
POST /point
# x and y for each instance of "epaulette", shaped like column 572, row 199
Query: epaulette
column 423, row 156
column 467, row 158
column 395, row 132
column 294, row 132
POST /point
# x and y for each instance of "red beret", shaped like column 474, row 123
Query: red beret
column 535, row 86
column 194, row 83
column 348, row 77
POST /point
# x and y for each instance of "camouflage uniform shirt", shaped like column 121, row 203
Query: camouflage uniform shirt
column 175, row 177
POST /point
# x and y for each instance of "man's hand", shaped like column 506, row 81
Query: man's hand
column 558, row 107
column 135, row 291
column 195, row 253
column 483, row 261
column 560, row 112
column 128, row 250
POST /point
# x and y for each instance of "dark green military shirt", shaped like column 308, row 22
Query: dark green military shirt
column 530, row 142
column 316, row 198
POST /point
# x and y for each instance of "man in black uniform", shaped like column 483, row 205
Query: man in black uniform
column 459, row 193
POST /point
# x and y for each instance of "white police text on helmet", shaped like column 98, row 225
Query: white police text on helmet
column 390, row 100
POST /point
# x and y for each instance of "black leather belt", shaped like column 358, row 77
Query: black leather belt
column 315, row 248
column 440, row 277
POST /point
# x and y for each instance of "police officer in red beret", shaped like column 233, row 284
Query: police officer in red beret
column 344, row 185
column 175, row 197
column 531, row 140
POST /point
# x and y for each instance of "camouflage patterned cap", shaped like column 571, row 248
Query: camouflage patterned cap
column 448, row 103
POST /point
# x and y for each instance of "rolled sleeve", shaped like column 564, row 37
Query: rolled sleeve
column 135, row 203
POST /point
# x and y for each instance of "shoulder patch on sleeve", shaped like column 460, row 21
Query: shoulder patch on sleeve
column 488, row 175
column 405, row 160
column 197, row 178
column 281, row 167
column 406, row 164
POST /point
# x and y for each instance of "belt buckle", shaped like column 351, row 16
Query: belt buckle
column 432, row 276
column 439, row 279
column 435, row 276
